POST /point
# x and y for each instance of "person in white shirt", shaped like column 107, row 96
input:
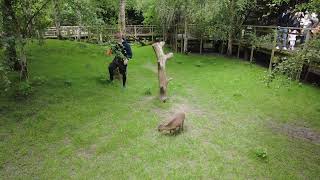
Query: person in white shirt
column 315, row 20
column 306, row 24
column 292, row 38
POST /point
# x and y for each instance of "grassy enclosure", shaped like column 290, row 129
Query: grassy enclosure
column 74, row 124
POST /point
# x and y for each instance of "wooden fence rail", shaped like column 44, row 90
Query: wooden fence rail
column 78, row 32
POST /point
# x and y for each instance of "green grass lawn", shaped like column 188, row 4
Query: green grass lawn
column 87, row 129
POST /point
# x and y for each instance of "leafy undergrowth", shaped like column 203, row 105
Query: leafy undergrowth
column 76, row 125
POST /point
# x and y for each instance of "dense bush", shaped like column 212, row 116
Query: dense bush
column 24, row 89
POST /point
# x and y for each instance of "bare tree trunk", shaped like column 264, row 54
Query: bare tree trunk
column 56, row 6
column 162, row 59
column 24, row 75
column 122, row 17
column 232, row 18
column 185, row 45
column 229, row 52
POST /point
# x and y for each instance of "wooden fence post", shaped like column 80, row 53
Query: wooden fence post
column 135, row 32
column 307, row 39
column 253, row 46
column 274, row 44
column 89, row 33
column 79, row 33
column 201, row 44
column 68, row 33
column 181, row 43
column 152, row 31
column 176, row 38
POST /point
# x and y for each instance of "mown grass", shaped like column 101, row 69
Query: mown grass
column 76, row 126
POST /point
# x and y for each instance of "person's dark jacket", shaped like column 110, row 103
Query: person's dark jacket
column 295, row 23
column 283, row 20
column 127, row 48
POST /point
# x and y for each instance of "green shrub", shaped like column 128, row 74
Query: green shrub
column 68, row 83
column 261, row 153
column 23, row 89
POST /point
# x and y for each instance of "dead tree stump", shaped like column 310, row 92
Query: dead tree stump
column 162, row 59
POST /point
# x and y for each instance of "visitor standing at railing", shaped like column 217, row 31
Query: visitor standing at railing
column 315, row 24
column 296, row 19
column 283, row 22
column 315, row 20
column 306, row 24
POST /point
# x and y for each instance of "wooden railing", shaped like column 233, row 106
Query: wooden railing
column 255, row 38
column 135, row 31
column 270, row 39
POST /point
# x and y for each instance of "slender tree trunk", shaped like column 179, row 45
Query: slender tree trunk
column 56, row 6
column 9, row 25
column 185, row 45
column 162, row 59
column 122, row 17
column 229, row 52
column 232, row 19
column 24, row 74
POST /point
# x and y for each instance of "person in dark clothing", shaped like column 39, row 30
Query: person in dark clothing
column 295, row 20
column 123, row 53
column 283, row 22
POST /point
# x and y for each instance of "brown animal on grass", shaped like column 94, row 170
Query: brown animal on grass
column 174, row 125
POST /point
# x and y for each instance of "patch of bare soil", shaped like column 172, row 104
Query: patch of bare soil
column 191, row 110
column 87, row 152
column 293, row 131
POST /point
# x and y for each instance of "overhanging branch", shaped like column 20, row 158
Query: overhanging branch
column 35, row 14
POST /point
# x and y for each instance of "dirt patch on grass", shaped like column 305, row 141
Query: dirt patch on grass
column 192, row 111
column 298, row 132
column 87, row 152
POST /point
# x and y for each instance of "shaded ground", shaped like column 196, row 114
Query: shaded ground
column 76, row 126
column 293, row 131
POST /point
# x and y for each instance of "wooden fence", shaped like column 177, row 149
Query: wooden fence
column 271, row 39
column 78, row 32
